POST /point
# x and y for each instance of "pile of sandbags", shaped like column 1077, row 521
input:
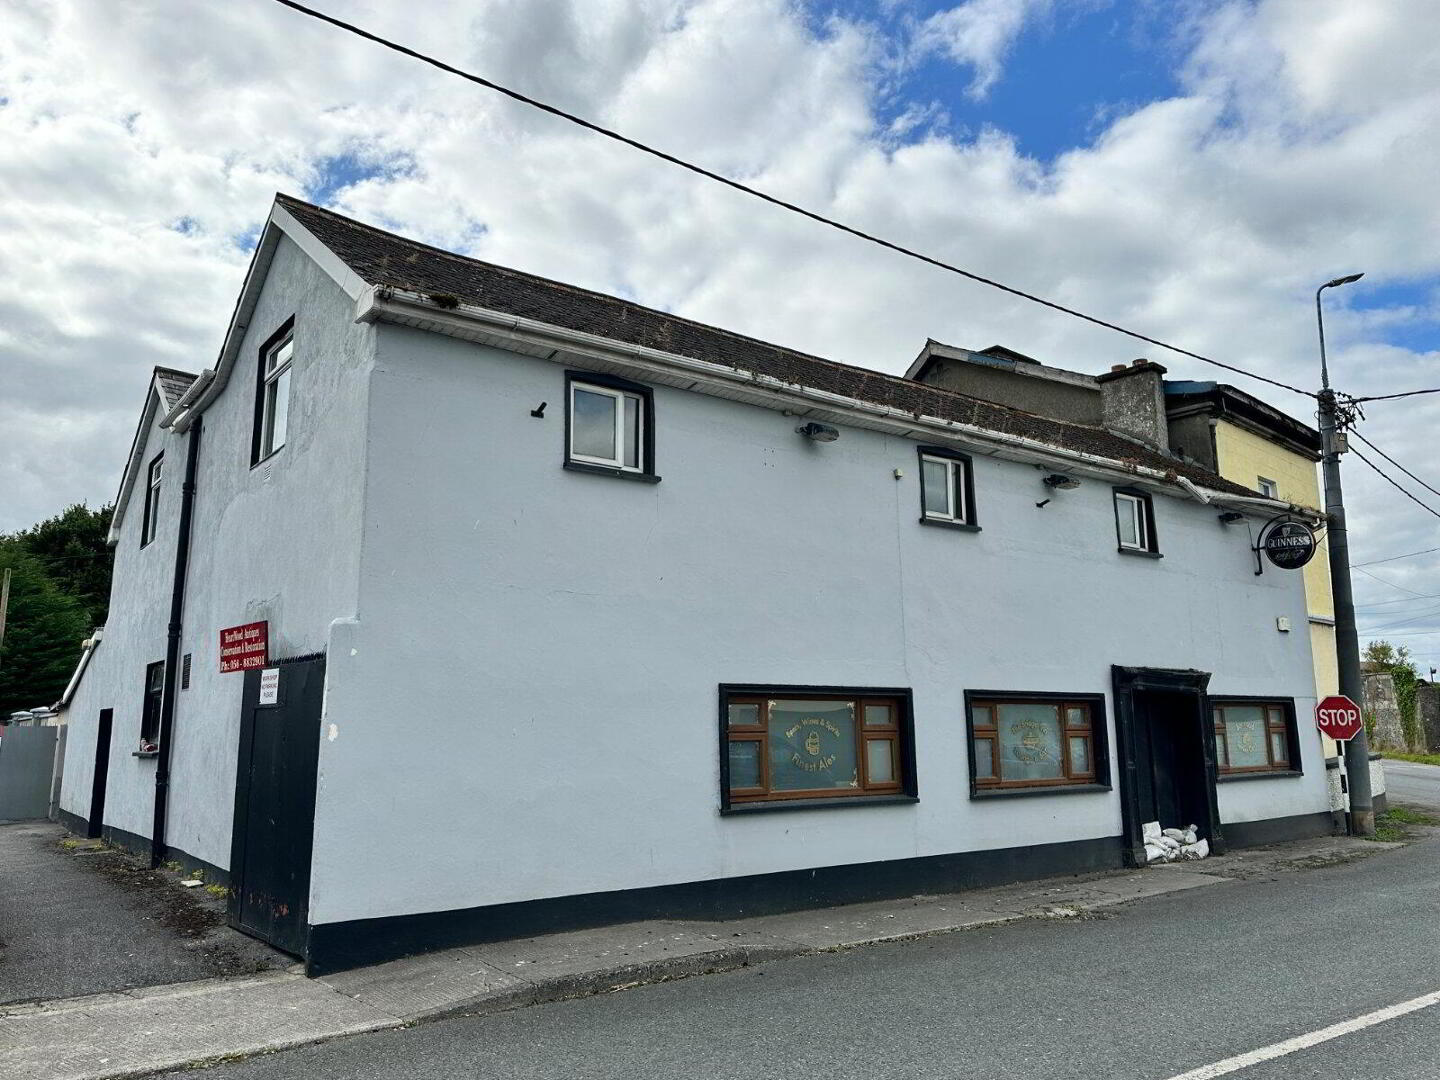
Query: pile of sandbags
column 1168, row 845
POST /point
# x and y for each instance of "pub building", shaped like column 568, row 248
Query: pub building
column 554, row 610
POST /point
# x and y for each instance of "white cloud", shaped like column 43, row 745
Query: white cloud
column 1303, row 146
column 978, row 34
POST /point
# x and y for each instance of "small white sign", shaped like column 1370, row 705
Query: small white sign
column 270, row 686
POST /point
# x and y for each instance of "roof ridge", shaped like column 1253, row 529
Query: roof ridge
column 175, row 371
column 350, row 222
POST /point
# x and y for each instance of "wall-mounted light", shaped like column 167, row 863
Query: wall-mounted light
column 1059, row 482
column 1229, row 517
column 818, row 432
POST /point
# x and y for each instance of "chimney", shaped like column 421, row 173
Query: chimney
column 1132, row 403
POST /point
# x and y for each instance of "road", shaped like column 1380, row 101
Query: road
column 1150, row 992
column 1412, row 784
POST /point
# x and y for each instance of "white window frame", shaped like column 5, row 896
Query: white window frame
column 149, row 521
column 957, row 494
column 1269, row 488
column 269, row 392
column 1139, row 515
column 620, row 397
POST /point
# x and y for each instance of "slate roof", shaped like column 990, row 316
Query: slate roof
column 172, row 384
column 383, row 258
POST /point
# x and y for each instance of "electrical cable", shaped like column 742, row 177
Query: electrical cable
column 1394, row 558
column 1385, row 397
column 1393, row 483
column 1392, row 461
column 590, row 125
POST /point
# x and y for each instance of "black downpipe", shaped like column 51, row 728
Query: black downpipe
column 172, row 648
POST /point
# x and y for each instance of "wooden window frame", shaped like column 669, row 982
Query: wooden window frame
column 900, row 733
column 1144, row 508
column 1097, row 778
column 151, row 702
column 620, row 389
column 1280, row 719
column 263, row 380
column 960, row 480
column 150, row 520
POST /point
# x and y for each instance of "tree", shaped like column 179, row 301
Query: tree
column 43, row 631
column 1389, row 656
column 72, row 549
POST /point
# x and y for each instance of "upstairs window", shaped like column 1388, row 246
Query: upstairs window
column 150, row 711
column 609, row 426
column 150, row 523
column 1268, row 488
column 1135, row 523
column 947, row 494
column 1253, row 736
column 272, row 397
column 782, row 745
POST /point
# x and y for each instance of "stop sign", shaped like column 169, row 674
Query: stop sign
column 1339, row 717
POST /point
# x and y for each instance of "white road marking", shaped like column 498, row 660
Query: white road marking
column 1314, row 1038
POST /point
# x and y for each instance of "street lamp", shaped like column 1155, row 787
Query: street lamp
column 1347, row 641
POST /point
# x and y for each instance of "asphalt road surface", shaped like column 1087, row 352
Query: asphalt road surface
column 1152, row 991
column 1412, row 784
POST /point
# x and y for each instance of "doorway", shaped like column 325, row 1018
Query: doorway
column 275, row 802
column 95, row 823
column 1167, row 755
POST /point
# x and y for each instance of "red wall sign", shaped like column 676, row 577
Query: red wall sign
column 244, row 647
column 1339, row 717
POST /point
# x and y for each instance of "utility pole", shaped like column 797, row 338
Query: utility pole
column 4, row 605
column 1347, row 640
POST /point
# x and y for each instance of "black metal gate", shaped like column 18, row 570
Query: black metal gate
column 275, row 803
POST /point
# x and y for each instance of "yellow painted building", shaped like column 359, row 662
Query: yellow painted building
column 1252, row 443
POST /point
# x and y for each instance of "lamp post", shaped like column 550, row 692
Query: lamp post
column 1347, row 640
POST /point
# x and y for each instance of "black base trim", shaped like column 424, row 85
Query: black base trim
column 343, row 945
column 1278, row 830
column 140, row 845
column 73, row 822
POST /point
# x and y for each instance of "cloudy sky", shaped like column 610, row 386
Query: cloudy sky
column 1192, row 169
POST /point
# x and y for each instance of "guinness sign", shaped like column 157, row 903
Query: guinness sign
column 1289, row 544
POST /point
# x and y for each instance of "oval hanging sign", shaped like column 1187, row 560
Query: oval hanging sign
column 1290, row 545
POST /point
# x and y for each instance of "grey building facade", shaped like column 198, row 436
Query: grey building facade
column 578, row 612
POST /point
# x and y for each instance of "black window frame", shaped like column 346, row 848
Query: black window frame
column 1151, row 550
column 646, row 472
column 903, row 731
column 151, row 703
column 1099, row 732
column 1293, row 767
column 965, row 469
column 257, row 434
column 150, row 519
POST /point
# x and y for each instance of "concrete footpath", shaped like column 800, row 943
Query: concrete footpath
column 135, row 1032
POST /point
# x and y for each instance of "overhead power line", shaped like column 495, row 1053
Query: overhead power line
column 1392, row 461
column 1377, row 397
column 590, row 125
column 1392, row 584
column 1394, row 558
column 1395, row 484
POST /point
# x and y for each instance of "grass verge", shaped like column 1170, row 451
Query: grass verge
column 1397, row 824
column 1421, row 759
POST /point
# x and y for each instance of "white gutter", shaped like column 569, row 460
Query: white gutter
column 91, row 644
column 388, row 304
column 192, row 392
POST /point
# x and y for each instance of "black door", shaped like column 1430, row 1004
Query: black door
column 95, row 824
column 1167, row 754
column 275, row 804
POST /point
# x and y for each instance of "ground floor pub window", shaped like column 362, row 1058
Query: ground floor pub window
column 1020, row 741
column 782, row 745
column 1254, row 736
